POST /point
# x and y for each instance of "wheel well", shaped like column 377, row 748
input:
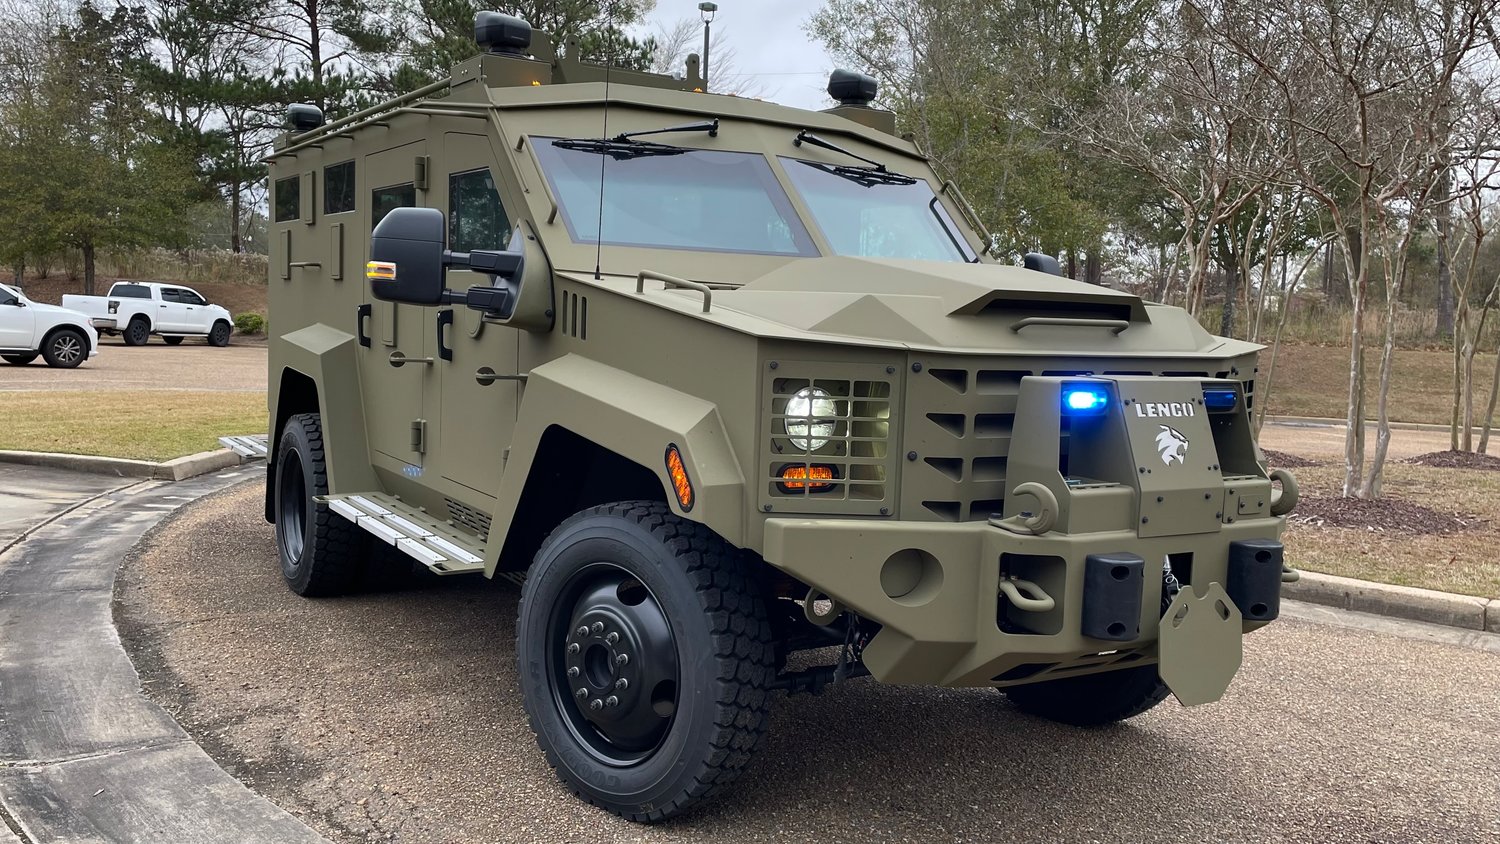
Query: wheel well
column 142, row 318
column 569, row 474
column 47, row 338
column 296, row 394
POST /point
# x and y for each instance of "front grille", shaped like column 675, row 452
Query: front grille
column 959, row 421
column 855, row 420
column 474, row 521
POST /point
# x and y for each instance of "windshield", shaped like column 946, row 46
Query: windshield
column 692, row 199
column 877, row 217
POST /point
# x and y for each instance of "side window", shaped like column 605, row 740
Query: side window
column 191, row 298
column 169, row 294
column 7, row 297
column 338, row 188
column 382, row 200
column 288, row 198
column 476, row 219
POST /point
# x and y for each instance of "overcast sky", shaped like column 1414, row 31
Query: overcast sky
column 769, row 43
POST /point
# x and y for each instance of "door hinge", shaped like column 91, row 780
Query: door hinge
column 419, row 436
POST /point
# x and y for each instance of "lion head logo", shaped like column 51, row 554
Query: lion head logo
column 1171, row 445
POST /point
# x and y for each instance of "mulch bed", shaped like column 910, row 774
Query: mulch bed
column 1380, row 515
column 1456, row 460
column 1282, row 460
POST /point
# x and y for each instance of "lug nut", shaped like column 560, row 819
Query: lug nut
column 622, row 684
column 573, row 672
column 582, row 630
column 573, row 648
column 596, row 704
column 582, row 693
column 611, row 701
column 622, row 659
column 597, row 628
column 612, row 638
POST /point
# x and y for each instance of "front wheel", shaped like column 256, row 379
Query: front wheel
column 645, row 656
column 21, row 359
column 319, row 549
column 219, row 336
column 65, row 348
column 1092, row 700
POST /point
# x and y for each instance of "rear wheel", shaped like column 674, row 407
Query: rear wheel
column 172, row 341
column 137, row 332
column 1092, row 700
column 65, row 348
column 645, row 655
column 21, row 359
column 319, row 549
column 219, row 335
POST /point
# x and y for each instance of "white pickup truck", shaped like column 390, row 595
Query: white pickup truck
column 62, row 337
column 138, row 309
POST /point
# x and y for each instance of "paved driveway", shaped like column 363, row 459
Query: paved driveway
column 194, row 365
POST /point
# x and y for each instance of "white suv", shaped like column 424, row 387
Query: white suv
column 62, row 337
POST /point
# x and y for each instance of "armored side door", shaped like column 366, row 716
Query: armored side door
column 476, row 410
column 397, row 430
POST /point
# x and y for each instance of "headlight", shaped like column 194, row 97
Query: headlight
column 810, row 418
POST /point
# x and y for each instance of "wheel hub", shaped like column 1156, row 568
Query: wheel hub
column 619, row 665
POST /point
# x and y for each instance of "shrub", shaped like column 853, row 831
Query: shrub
column 249, row 323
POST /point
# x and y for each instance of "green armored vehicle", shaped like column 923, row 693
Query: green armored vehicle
column 720, row 381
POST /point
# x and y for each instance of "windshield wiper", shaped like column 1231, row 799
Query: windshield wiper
column 624, row 145
column 875, row 174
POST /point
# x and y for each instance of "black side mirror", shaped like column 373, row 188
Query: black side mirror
column 1041, row 263
column 406, row 257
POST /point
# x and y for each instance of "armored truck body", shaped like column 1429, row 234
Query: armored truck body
column 718, row 380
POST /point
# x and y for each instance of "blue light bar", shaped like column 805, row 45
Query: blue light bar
column 1080, row 400
column 1220, row 399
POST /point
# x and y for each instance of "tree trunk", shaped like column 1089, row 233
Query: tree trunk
column 235, row 245
column 1489, row 413
column 1232, row 282
column 20, row 271
column 88, row 269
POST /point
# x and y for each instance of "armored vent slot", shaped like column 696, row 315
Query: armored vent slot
column 475, row 521
column 575, row 315
column 830, row 441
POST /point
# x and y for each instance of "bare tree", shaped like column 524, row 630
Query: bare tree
column 675, row 41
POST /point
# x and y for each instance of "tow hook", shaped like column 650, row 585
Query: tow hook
column 1283, row 500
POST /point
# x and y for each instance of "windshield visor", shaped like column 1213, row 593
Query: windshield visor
column 694, row 200
column 877, row 218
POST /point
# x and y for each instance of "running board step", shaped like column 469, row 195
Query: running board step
column 253, row 447
column 428, row 541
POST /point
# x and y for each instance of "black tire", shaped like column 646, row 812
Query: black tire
column 172, row 341
column 65, row 348
column 319, row 549
column 19, row 360
column 655, row 752
column 137, row 332
column 1092, row 700
column 219, row 334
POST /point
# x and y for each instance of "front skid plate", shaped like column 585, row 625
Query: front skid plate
column 1201, row 645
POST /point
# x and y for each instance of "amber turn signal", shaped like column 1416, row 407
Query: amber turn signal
column 380, row 271
column 797, row 478
column 681, row 485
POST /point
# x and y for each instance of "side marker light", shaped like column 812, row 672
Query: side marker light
column 682, row 486
column 380, row 271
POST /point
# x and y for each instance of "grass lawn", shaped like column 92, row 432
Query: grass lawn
column 143, row 426
column 1314, row 381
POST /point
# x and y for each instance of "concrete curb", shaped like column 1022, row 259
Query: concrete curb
column 1426, row 605
column 179, row 469
column 1323, row 422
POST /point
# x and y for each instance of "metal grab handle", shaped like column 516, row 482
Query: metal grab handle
column 1115, row 326
column 1042, row 521
column 673, row 281
column 399, row 359
column 1285, row 499
column 1011, row 588
column 444, row 320
column 361, row 314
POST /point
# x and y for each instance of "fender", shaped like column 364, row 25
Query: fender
column 327, row 356
column 636, row 419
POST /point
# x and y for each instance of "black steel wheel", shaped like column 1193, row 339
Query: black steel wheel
column 172, row 341
column 137, row 332
column 645, row 656
column 219, row 334
column 319, row 549
column 65, row 348
column 21, row 359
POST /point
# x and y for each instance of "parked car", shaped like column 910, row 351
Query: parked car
column 62, row 337
column 138, row 309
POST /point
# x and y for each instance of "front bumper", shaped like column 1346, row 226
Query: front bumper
column 936, row 590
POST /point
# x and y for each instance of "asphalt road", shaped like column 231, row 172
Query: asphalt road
column 395, row 717
column 194, row 365
column 31, row 495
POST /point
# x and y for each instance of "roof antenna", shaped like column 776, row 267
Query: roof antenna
column 609, row 60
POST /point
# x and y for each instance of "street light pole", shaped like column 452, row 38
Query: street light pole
column 706, row 12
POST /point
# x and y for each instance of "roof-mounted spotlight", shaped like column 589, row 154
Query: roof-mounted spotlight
column 502, row 34
column 852, row 88
column 303, row 117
